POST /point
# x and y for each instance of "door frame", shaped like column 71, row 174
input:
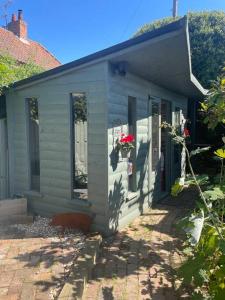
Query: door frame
column 168, row 162
column 152, row 187
column 154, row 178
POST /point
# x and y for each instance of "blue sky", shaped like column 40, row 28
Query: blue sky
column 71, row 29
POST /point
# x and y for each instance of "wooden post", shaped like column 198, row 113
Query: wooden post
column 175, row 8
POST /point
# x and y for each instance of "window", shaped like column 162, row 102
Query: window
column 177, row 118
column 132, row 130
column 165, row 147
column 33, row 143
column 79, row 146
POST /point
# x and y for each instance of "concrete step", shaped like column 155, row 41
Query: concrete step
column 10, row 207
column 16, row 219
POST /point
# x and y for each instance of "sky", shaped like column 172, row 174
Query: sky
column 71, row 29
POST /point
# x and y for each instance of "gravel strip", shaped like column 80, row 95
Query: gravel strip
column 39, row 228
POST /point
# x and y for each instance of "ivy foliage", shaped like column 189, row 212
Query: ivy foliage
column 12, row 71
column 207, row 37
column 80, row 107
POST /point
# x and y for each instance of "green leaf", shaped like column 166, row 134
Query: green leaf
column 189, row 271
column 220, row 153
column 177, row 188
column 201, row 179
column 204, row 275
column 214, row 194
column 197, row 296
column 188, row 251
column 198, row 151
column 220, row 294
column 222, row 246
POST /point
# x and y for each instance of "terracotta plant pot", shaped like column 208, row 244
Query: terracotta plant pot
column 72, row 221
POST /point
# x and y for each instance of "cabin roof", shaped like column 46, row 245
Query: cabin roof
column 161, row 56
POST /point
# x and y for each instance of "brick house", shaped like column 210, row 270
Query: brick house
column 14, row 42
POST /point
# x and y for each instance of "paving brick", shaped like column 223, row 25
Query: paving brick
column 28, row 291
column 3, row 291
column 6, row 278
column 138, row 262
column 30, row 267
column 11, row 297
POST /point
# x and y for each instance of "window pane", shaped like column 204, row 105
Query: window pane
column 132, row 130
column 155, row 135
column 79, row 145
column 33, row 128
column 165, row 146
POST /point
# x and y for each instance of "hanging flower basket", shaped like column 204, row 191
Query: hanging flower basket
column 125, row 153
column 125, row 144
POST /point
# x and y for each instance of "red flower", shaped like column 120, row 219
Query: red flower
column 127, row 139
column 186, row 132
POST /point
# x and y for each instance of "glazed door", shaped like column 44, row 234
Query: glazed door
column 176, row 159
column 160, row 149
column 165, row 165
column 155, row 145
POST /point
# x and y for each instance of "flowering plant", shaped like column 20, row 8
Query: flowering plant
column 186, row 132
column 126, row 142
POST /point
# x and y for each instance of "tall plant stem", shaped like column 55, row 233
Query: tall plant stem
column 221, row 172
column 200, row 191
column 221, row 179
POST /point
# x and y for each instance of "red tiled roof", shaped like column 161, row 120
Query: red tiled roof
column 26, row 50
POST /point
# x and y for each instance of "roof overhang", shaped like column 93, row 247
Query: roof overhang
column 166, row 61
column 161, row 56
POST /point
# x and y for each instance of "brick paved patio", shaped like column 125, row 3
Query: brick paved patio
column 32, row 268
column 139, row 262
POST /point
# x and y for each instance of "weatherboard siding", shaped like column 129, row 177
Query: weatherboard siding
column 121, row 210
column 18, row 150
column 107, row 99
column 55, row 142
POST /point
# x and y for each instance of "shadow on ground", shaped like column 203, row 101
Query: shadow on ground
column 42, row 262
column 139, row 261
